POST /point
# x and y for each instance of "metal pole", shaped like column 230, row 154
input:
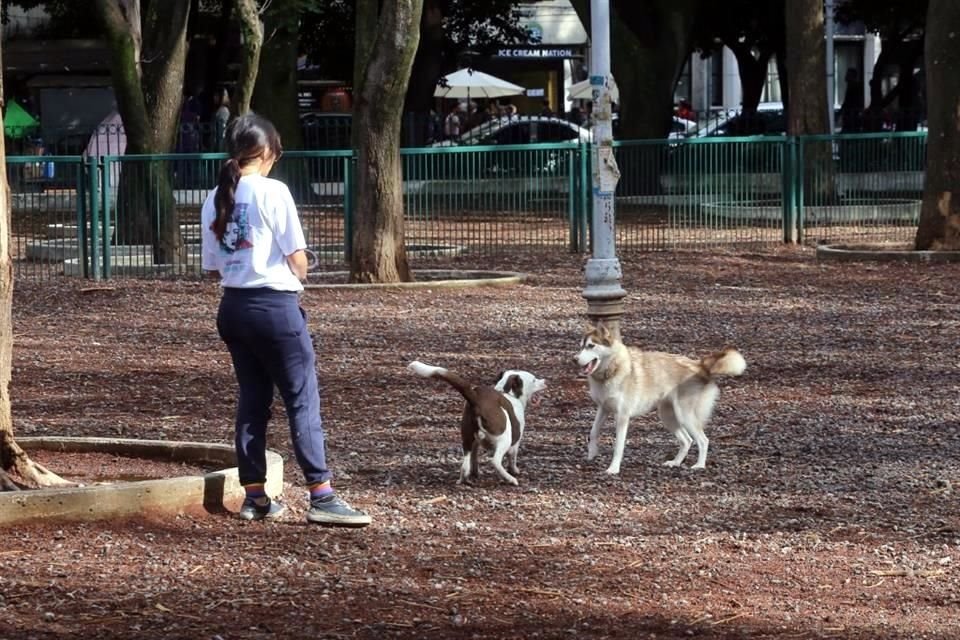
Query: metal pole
column 831, row 80
column 603, row 291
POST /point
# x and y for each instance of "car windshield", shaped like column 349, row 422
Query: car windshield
column 760, row 123
column 522, row 131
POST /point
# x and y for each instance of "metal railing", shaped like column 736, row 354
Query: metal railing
column 125, row 215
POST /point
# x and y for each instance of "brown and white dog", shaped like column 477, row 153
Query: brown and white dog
column 493, row 418
column 627, row 382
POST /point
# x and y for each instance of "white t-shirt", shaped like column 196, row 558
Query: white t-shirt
column 263, row 230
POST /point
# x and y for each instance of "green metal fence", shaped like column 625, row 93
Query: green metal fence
column 492, row 200
column 697, row 194
column 866, row 187
column 50, row 223
column 139, row 215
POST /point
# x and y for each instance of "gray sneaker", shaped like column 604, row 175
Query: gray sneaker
column 335, row 512
column 260, row 509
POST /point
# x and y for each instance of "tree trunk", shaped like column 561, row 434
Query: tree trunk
column 940, row 214
column 367, row 21
column 275, row 91
column 428, row 63
column 147, row 58
column 807, row 106
column 12, row 457
column 806, row 66
column 217, row 61
column 378, row 244
column 252, row 31
column 650, row 43
column 753, row 75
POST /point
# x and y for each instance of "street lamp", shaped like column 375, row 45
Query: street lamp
column 603, row 291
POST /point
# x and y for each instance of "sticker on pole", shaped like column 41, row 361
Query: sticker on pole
column 608, row 170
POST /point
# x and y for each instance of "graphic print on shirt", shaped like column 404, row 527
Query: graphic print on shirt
column 237, row 234
column 236, row 237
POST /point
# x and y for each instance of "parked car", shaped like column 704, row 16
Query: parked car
column 323, row 130
column 681, row 128
column 520, row 130
column 769, row 119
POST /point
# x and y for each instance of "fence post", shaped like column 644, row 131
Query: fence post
column 799, row 190
column 93, row 171
column 105, row 208
column 348, row 165
column 584, row 193
column 82, row 217
column 572, row 193
column 788, row 162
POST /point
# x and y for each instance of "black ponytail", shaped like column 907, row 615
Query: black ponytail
column 247, row 138
column 224, row 199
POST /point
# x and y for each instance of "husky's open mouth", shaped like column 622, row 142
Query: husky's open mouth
column 590, row 367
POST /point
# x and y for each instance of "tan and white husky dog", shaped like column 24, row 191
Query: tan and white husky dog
column 627, row 382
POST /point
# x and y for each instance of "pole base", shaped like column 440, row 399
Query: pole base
column 603, row 292
column 606, row 310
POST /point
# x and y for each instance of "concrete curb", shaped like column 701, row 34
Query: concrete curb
column 212, row 492
column 882, row 252
column 445, row 279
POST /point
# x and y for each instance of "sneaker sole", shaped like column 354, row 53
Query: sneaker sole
column 339, row 521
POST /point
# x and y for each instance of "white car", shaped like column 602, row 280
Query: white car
column 520, row 130
column 769, row 120
column 681, row 128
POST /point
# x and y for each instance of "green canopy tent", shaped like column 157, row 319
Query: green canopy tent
column 17, row 123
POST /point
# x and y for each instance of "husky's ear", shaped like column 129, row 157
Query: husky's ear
column 602, row 330
column 514, row 385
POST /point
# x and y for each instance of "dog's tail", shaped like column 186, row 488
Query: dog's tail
column 728, row 362
column 427, row 371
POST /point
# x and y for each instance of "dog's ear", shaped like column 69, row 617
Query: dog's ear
column 514, row 385
column 602, row 330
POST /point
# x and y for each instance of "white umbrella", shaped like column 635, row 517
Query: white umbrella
column 469, row 83
column 584, row 91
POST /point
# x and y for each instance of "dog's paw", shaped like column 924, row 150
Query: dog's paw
column 612, row 471
column 671, row 463
column 592, row 452
column 699, row 466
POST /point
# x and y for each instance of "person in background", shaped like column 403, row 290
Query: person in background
column 576, row 116
column 220, row 118
column 492, row 112
column 188, row 140
column 546, row 111
column 252, row 238
column 851, row 110
column 452, row 123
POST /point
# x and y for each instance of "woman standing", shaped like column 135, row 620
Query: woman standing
column 252, row 237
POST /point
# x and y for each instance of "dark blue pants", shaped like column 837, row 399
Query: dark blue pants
column 266, row 333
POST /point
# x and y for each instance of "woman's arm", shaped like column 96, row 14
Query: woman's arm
column 298, row 264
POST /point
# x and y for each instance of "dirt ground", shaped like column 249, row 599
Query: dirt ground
column 828, row 508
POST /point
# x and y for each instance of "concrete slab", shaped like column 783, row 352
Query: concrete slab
column 213, row 492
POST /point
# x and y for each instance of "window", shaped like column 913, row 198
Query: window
column 514, row 134
column 555, row 132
